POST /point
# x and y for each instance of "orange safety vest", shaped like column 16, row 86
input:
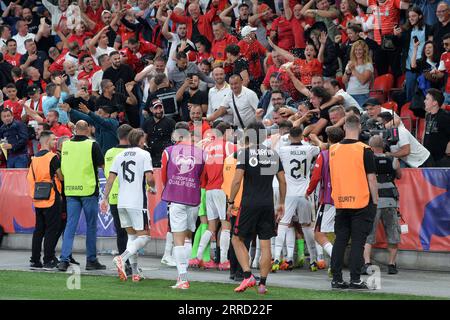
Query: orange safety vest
column 229, row 169
column 350, row 188
column 41, row 167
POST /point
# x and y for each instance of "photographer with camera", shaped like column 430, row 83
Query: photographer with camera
column 387, row 170
column 411, row 153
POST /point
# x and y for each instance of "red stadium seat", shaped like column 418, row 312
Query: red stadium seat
column 400, row 81
column 391, row 105
column 446, row 107
column 408, row 117
column 341, row 82
column 381, row 87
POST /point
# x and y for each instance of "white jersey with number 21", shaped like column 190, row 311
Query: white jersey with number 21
column 296, row 160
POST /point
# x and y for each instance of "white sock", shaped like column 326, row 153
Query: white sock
column 224, row 245
column 180, row 258
column 279, row 241
column 290, row 243
column 133, row 258
column 328, row 247
column 133, row 246
column 169, row 244
column 204, row 240
column 188, row 248
column 319, row 251
column 308, row 232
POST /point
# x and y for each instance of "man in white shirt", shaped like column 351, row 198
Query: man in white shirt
column 241, row 102
column 57, row 12
column 339, row 96
column 408, row 149
column 130, row 167
column 104, row 62
column 174, row 40
column 102, row 48
column 22, row 35
column 72, row 75
column 218, row 93
column 5, row 35
column 373, row 109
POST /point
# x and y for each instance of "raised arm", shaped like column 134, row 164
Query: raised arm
column 283, row 52
column 306, row 12
column 287, row 10
column 224, row 14
column 165, row 28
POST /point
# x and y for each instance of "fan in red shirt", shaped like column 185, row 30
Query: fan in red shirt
column 93, row 10
column 197, row 24
column 136, row 50
column 197, row 125
column 286, row 84
column 252, row 50
column 203, row 49
column 347, row 12
column 305, row 69
column 89, row 68
column 12, row 56
column 57, row 128
column 298, row 23
column 221, row 40
column 13, row 103
column 281, row 31
column 79, row 35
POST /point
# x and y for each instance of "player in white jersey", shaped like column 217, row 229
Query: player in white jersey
column 296, row 159
column 130, row 167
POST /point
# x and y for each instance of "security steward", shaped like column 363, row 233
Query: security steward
column 44, row 180
column 354, row 191
column 80, row 159
column 388, row 169
column 122, row 237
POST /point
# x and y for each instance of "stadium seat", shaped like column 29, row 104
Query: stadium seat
column 341, row 83
column 400, row 81
column 408, row 117
column 446, row 107
column 391, row 105
column 381, row 87
column 398, row 87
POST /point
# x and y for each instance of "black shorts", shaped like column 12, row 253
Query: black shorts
column 255, row 220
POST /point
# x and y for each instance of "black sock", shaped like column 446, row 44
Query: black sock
column 247, row 274
column 262, row 281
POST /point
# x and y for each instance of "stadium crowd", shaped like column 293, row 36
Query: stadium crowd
column 78, row 69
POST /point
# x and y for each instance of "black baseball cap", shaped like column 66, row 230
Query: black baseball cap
column 371, row 102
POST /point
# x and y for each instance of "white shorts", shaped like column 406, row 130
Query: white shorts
column 182, row 217
column 132, row 218
column 216, row 204
column 299, row 206
column 325, row 218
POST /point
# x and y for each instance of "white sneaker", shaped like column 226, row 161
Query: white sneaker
column 168, row 261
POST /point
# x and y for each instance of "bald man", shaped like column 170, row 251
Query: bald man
column 81, row 157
